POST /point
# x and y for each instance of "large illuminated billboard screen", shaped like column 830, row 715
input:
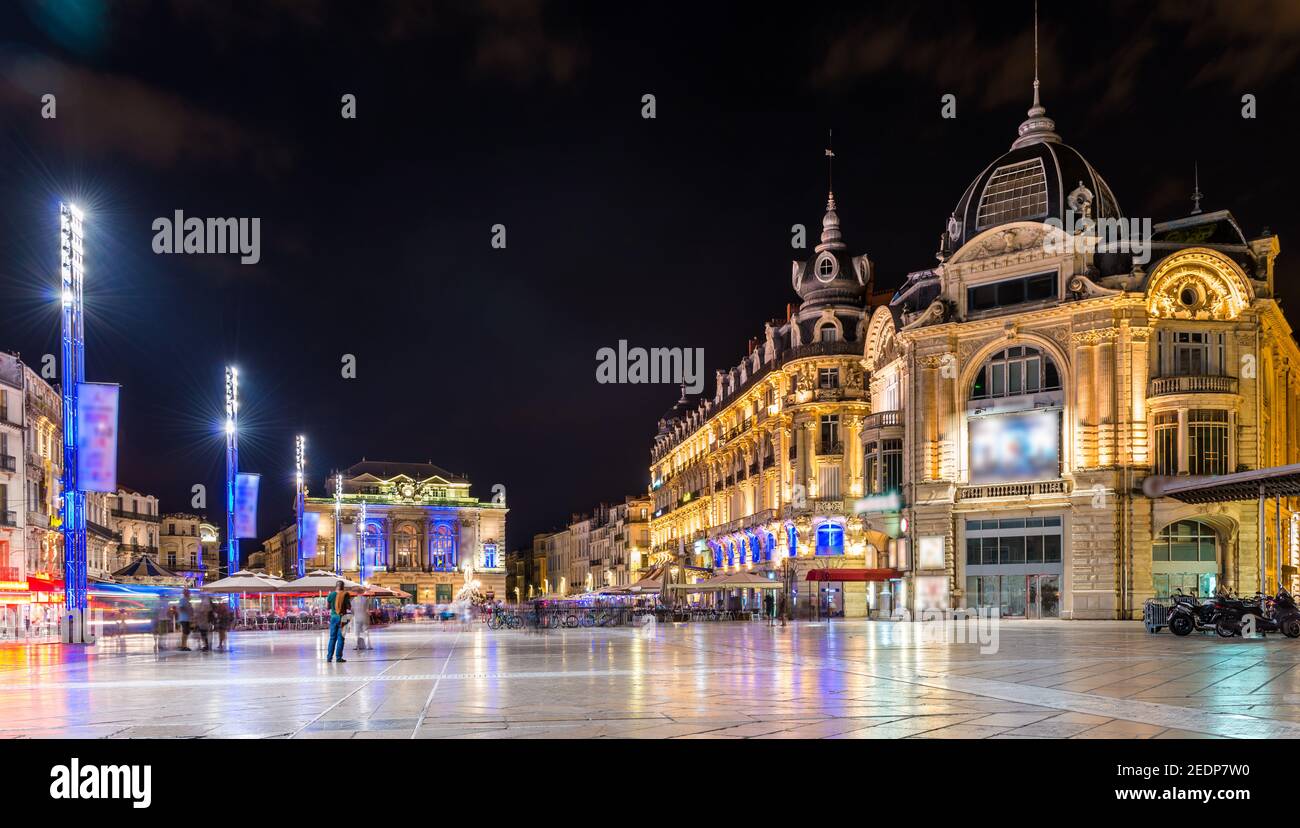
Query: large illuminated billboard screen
column 1008, row 448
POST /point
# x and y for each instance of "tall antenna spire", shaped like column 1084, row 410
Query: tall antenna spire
column 1196, row 191
column 1037, row 128
column 830, row 165
column 1037, row 105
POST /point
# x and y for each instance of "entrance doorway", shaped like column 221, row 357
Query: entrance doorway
column 1037, row 595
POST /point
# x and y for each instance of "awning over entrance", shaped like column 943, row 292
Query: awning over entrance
column 1278, row 481
column 854, row 574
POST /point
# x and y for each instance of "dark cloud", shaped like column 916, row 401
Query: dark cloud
column 106, row 114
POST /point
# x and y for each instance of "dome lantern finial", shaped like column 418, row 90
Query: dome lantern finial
column 1037, row 128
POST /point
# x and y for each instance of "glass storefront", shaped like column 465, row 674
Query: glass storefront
column 1013, row 565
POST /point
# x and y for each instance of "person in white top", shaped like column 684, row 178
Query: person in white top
column 361, row 621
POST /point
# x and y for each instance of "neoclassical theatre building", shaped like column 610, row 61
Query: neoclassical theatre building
column 422, row 530
column 994, row 434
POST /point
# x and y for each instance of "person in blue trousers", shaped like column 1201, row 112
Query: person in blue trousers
column 340, row 604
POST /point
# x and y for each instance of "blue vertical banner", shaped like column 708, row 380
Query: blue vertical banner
column 310, row 535
column 97, row 406
column 246, row 485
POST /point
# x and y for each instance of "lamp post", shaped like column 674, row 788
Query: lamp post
column 232, row 466
column 300, row 464
column 338, row 519
column 361, row 545
column 74, row 372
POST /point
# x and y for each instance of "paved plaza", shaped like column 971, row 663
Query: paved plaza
column 844, row 680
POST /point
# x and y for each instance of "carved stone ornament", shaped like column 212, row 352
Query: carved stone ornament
column 1198, row 283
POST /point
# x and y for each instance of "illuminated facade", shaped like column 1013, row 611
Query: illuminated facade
column 1041, row 380
column 1020, row 401
column 189, row 546
column 768, row 470
column 423, row 531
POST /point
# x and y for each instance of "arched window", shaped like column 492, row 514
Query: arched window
column 406, row 547
column 442, row 548
column 1021, row 369
column 1184, row 556
column 489, row 555
column 771, row 544
column 830, row 539
column 792, row 539
column 372, row 546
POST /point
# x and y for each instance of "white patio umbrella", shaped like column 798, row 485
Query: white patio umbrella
column 244, row 582
column 318, row 580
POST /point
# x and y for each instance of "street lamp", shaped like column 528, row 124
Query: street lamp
column 338, row 517
column 74, row 372
column 232, row 466
column 300, row 464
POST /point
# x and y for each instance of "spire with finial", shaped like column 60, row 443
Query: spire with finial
column 831, row 238
column 1196, row 189
column 1037, row 128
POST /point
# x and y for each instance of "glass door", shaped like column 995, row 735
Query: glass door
column 1043, row 598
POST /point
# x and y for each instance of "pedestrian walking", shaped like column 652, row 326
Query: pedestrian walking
column 221, row 622
column 361, row 616
column 783, row 608
column 161, row 622
column 185, row 615
column 339, row 603
column 769, row 605
column 203, row 622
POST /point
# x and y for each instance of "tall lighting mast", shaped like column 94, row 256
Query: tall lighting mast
column 74, row 372
column 232, row 466
column 338, row 518
column 300, row 464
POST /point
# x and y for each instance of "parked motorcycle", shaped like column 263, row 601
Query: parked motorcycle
column 1262, row 613
column 1189, row 614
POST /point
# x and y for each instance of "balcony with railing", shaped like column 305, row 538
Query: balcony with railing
column 125, row 514
column 883, row 419
column 1016, row 491
column 136, row 549
column 8, row 518
column 1192, row 384
column 828, row 449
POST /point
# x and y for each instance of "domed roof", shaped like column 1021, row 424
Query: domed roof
column 832, row 276
column 1038, row 179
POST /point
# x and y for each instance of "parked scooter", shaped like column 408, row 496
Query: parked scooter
column 1261, row 614
column 1189, row 614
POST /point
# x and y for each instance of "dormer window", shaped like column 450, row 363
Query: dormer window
column 828, row 334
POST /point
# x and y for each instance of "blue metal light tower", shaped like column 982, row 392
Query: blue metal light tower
column 74, row 371
column 338, row 522
column 300, row 464
column 361, row 545
column 232, row 466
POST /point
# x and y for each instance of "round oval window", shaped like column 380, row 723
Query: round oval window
column 826, row 268
column 1188, row 297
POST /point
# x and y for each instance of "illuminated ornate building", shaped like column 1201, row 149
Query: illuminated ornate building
column 1025, row 401
column 768, row 469
column 189, row 546
column 1051, row 379
column 423, row 530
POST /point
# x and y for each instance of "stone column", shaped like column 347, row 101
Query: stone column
column 1105, row 397
column 1084, row 377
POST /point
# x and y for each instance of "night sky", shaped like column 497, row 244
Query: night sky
column 672, row 232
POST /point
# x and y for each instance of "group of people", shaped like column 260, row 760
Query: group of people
column 206, row 617
column 345, row 611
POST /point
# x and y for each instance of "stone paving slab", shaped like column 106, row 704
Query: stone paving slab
column 846, row 679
